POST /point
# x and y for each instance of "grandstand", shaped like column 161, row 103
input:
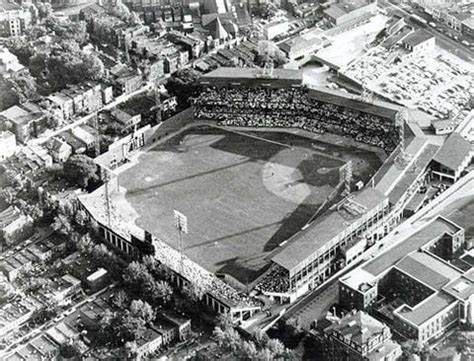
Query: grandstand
column 231, row 101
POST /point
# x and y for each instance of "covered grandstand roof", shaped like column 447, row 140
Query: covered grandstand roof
column 337, row 97
column 252, row 77
column 454, row 151
column 323, row 230
column 412, row 173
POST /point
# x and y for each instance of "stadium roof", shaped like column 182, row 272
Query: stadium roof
column 225, row 76
column 427, row 269
column 337, row 97
column 412, row 173
column 454, row 151
column 426, row 309
column 323, row 230
column 393, row 174
column 433, row 230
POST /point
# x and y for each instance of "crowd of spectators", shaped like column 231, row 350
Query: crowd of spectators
column 201, row 278
column 277, row 280
column 293, row 108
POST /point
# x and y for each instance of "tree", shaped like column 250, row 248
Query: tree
column 275, row 346
column 85, row 245
column 134, row 275
column 24, row 86
column 17, row 89
column 193, row 292
column 143, row 310
column 228, row 338
column 81, row 170
column 162, row 292
column 81, row 218
column 130, row 350
column 128, row 327
column 36, row 32
column 62, row 224
column 72, row 349
column 120, row 299
column 45, row 10
column 183, row 85
column 247, row 351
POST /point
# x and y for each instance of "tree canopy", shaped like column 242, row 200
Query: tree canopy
column 183, row 85
column 80, row 170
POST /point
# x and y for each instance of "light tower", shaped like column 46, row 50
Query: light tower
column 403, row 158
column 367, row 96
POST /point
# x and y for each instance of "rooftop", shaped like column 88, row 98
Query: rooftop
column 426, row 309
column 417, row 38
column 358, row 328
column 432, row 231
column 462, row 287
column 427, row 269
column 454, row 151
column 414, row 171
column 345, row 7
column 323, row 230
column 253, row 77
column 19, row 115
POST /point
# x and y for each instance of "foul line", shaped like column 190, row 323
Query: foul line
column 252, row 136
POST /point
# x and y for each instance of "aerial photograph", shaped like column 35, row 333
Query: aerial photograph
column 237, row 180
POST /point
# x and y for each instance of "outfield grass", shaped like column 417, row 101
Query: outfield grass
column 243, row 195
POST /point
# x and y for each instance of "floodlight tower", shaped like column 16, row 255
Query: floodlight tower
column 156, row 92
column 367, row 96
column 403, row 157
column 95, row 125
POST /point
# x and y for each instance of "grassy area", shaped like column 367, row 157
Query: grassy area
column 243, row 194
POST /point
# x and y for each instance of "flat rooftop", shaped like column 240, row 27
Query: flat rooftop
column 426, row 309
column 430, row 232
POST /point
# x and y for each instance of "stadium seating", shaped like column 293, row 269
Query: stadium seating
column 277, row 280
column 293, row 108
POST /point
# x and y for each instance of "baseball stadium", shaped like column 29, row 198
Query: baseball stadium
column 279, row 185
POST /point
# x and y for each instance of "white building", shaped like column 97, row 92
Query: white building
column 420, row 42
column 7, row 144
column 274, row 29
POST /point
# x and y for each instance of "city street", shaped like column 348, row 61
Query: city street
column 442, row 39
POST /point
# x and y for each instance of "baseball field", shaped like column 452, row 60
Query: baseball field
column 243, row 192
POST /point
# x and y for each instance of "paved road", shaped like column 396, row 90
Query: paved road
column 442, row 39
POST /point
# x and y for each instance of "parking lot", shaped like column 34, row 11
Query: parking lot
column 438, row 83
